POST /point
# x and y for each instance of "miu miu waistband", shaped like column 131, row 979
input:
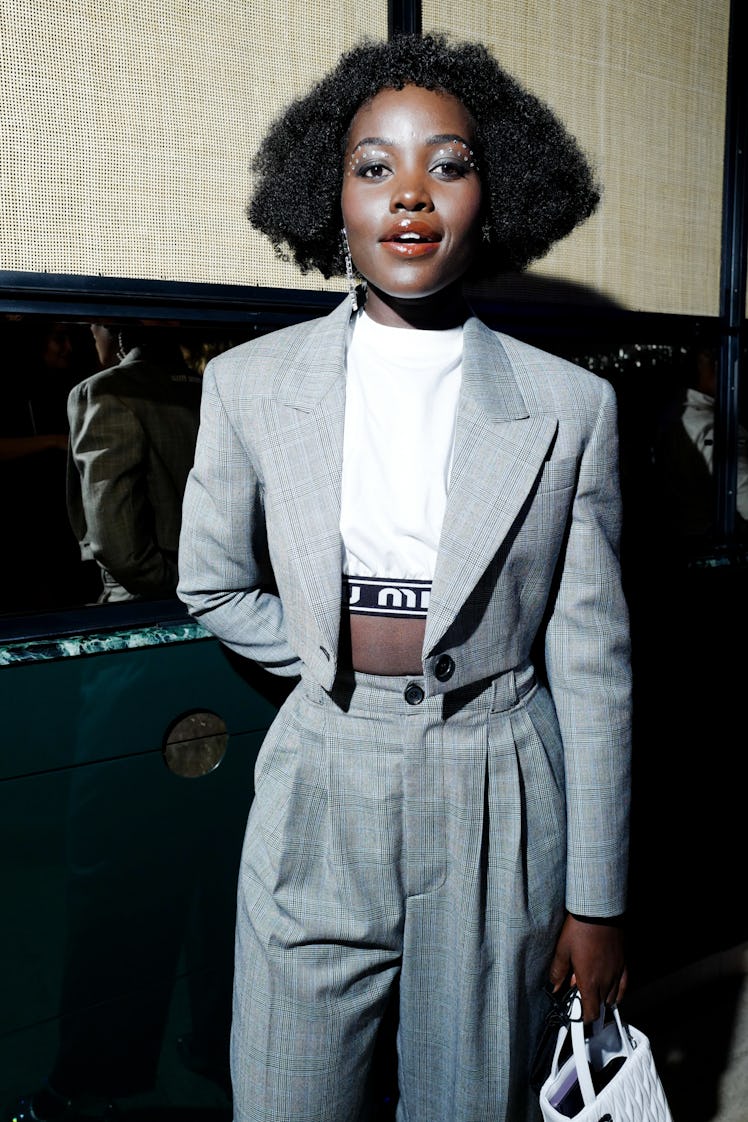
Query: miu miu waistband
column 372, row 596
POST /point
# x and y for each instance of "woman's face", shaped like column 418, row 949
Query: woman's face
column 58, row 349
column 411, row 195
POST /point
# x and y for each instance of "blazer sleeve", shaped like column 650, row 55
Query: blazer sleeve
column 587, row 653
column 109, row 451
column 226, row 579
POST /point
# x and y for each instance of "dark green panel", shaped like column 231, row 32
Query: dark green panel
column 118, row 875
column 118, row 893
column 70, row 711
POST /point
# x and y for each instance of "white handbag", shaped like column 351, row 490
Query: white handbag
column 610, row 1076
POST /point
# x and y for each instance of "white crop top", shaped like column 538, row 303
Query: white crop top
column 401, row 406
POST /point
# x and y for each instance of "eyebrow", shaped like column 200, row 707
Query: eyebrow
column 383, row 142
column 447, row 137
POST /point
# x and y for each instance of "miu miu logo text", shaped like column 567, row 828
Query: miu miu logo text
column 371, row 596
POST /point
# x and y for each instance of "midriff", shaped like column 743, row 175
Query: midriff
column 384, row 645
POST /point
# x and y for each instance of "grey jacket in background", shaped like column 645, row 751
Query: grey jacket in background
column 132, row 441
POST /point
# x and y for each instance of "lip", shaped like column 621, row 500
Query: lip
column 411, row 249
column 427, row 243
column 423, row 231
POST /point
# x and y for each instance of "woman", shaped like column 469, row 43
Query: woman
column 420, row 519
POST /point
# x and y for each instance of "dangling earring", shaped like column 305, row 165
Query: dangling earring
column 356, row 288
column 486, row 230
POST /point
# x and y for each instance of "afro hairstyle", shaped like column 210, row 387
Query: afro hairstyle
column 537, row 184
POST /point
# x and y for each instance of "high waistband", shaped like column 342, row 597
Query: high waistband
column 405, row 694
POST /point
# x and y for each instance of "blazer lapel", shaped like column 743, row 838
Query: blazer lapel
column 499, row 451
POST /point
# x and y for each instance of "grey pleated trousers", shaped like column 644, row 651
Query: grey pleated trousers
column 388, row 840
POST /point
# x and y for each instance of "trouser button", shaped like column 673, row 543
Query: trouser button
column 414, row 695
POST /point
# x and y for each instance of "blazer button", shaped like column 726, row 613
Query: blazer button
column 413, row 694
column 445, row 668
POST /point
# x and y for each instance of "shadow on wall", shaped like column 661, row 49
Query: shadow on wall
column 534, row 288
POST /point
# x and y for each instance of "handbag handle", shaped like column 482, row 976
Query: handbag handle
column 581, row 1060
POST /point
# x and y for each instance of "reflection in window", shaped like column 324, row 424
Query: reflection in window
column 97, row 435
column 687, row 450
column 133, row 428
column 666, row 395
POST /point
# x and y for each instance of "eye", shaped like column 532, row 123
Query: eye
column 373, row 170
column 451, row 169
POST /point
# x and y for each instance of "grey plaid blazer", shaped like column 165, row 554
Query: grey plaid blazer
column 528, row 551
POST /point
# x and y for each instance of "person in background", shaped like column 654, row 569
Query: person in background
column 418, row 520
column 34, row 417
column 133, row 428
column 684, row 454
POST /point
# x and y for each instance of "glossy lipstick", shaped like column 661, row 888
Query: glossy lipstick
column 411, row 238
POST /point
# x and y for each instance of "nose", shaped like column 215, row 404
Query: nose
column 411, row 193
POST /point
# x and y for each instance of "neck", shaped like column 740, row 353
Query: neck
column 443, row 310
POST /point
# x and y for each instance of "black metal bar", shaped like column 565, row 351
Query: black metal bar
column 403, row 16
column 74, row 296
column 67, row 295
column 733, row 276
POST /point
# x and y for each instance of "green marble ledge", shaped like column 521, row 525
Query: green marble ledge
column 73, row 646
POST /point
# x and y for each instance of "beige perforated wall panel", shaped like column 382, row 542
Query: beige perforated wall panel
column 127, row 130
column 641, row 83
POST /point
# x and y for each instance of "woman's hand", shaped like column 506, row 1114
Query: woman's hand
column 590, row 956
